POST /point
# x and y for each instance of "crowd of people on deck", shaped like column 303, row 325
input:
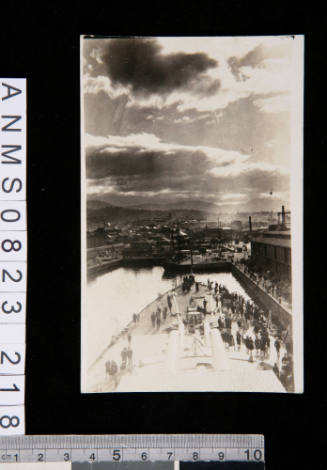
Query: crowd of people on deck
column 187, row 283
column 113, row 371
column 277, row 288
column 241, row 324
column 159, row 316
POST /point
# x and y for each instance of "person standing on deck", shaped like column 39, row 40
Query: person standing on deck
column 169, row 302
column 263, row 346
column 275, row 369
column 158, row 321
column 108, row 366
column 257, row 343
column 267, row 352
column 164, row 313
column 130, row 358
column 123, row 358
column 250, row 346
column 114, row 373
column 277, row 347
column 238, row 340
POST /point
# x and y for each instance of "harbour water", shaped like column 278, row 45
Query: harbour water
column 113, row 297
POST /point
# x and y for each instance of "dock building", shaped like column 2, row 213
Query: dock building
column 273, row 247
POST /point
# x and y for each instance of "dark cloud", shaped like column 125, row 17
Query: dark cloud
column 205, row 87
column 254, row 181
column 104, row 115
column 136, row 161
column 139, row 63
column 255, row 58
column 132, row 173
column 178, row 186
column 171, row 182
column 181, row 171
column 111, row 116
column 241, row 126
column 235, row 64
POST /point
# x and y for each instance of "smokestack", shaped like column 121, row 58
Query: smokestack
column 250, row 223
column 283, row 215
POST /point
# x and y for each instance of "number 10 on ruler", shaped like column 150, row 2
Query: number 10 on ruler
column 13, row 253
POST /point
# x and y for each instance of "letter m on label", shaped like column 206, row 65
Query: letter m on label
column 11, row 158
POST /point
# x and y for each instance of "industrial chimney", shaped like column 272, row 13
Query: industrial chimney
column 250, row 224
column 283, row 216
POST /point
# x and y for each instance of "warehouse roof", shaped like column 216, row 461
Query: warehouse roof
column 283, row 242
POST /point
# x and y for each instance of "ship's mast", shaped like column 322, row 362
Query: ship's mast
column 171, row 233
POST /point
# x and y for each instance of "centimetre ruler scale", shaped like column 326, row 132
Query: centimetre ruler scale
column 139, row 447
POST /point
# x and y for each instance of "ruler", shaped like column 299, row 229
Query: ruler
column 133, row 448
column 13, row 253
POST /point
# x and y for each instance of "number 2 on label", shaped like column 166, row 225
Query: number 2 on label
column 4, row 355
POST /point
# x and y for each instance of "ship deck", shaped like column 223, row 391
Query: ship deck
column 192, row 372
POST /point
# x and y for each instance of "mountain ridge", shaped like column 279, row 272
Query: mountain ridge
column 206, row 208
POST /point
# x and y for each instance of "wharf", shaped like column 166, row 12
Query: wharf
column 281, row 314
column 101, row 268
column 201, row 267
column 170, row 267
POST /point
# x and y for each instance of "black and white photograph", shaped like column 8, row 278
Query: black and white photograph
column 191, row 209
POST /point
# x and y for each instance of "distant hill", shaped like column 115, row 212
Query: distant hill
column 96, row 205
column 154, row 203
column 100, row 211
column 189, row 204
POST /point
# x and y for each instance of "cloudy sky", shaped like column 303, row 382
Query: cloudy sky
column 170, row 119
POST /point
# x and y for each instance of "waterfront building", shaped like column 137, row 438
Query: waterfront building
column 138, row 250
column 97, row 237
column 274, row 248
